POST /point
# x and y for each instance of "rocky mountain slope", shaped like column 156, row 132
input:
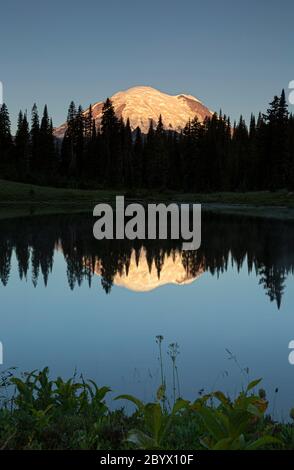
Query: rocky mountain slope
column 142, row 103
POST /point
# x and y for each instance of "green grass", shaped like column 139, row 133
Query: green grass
column 254, row 198
column 20, row 199
column 11, row 192
column 73, row 414
column 26, row 199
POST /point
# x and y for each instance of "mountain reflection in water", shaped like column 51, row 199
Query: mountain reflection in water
column 264, row 245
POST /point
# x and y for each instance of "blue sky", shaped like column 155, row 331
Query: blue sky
column 230, row 54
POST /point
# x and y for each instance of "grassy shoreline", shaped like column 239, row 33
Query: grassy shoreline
column 21, row 199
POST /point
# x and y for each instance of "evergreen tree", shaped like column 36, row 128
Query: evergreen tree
column 111, row 145
column 46, row 160
column 212, row 173
column 241, row 150
column 91, row 164
column 276, row 144
column 252, row 155
column 175, row 174
column 291, row 152
column 5, row 139
column 127, row 152
column 283, row 158
column 68, row 156
column 160, row 156
column 89, row 124
column 22, row 142
column 192, row 175
column 35, row 138
column 138, row 166
column 148, row 174
column 79, row 142
column 261, row 162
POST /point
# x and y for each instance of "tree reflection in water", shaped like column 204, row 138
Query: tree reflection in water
column 263, row 245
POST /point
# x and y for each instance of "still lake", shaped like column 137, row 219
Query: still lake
column 73, row 303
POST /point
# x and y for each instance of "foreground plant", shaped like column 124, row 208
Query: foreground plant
column 42, row 408
column 237, row 425
column 70, row 414
column 156, row 421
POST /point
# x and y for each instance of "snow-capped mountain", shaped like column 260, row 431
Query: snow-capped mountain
column 143, row 103
column 140, row 277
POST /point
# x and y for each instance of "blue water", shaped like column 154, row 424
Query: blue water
column 111, row 337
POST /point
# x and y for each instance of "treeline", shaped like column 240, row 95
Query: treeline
column 261, row 246
column 204, row 157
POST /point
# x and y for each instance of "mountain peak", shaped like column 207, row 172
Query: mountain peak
column 140, row 89
column 141, row 104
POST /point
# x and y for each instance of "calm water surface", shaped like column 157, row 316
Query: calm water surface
column 76, row 304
